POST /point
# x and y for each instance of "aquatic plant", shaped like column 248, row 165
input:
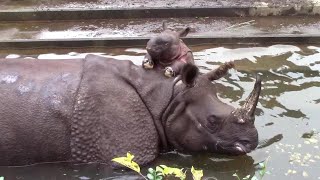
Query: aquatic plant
column 262, row 171
column 159, row 172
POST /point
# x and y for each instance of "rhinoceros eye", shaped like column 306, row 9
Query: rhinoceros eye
column 213, row 122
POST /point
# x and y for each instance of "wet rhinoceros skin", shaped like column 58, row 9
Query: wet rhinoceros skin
column 97, row 108
column 36, row 105
column 83, row 110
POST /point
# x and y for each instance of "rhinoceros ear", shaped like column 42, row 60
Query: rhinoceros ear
column 189, row 74
column 184, row 32
column 220, row 71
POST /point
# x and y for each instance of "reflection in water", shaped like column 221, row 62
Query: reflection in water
column 287, row 113
column 268, row 142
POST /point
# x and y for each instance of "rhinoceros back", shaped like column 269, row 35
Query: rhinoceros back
column 36, row 104
column 110, row 117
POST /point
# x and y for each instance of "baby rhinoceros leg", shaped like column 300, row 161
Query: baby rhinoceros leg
column 177, row 65
column 147, row 62
column 169, row 72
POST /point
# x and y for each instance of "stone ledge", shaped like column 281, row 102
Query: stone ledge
column 76, row 14
column 138, row 41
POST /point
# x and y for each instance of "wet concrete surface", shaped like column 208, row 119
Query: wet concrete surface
column 33, row 10
column 145, row 28
column 109, row 4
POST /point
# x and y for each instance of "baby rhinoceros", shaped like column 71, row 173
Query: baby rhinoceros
column 167, row 51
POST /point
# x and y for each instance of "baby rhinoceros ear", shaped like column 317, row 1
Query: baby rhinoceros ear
column 164, row 26
column 184, row 32
column 189, row 74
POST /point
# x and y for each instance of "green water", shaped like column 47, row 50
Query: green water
column 287, row 114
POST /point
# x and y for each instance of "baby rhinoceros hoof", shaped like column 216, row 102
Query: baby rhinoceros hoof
column 147, row 64
column 169, row 72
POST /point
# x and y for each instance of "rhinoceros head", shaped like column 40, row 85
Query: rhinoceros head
column 196, row 120
column 167, row 44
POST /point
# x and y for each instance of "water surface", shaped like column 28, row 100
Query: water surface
column 287, row 116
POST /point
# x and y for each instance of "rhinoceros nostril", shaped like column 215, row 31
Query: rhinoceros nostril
column 204, row 147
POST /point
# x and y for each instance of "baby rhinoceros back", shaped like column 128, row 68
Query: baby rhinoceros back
column 168, row 52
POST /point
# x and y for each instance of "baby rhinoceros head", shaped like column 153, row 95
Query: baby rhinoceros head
column 167, row 44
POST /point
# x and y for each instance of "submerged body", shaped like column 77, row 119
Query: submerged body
column 95, row 109
column 36, row 108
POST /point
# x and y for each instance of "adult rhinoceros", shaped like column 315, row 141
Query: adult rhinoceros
column 96, row 108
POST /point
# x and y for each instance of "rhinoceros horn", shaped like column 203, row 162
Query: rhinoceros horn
column 246, row 112
column 252, row 100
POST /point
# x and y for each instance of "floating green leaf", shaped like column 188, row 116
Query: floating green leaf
column 236, row 175
column 154, row 174
column 262, row 165
column 159, row 170
column 173, row 171
column 196, row 174
column 127, row 161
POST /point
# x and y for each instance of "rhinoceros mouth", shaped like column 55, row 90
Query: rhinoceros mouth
column 154, row 52
column 235, row 149
column 241, row 148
